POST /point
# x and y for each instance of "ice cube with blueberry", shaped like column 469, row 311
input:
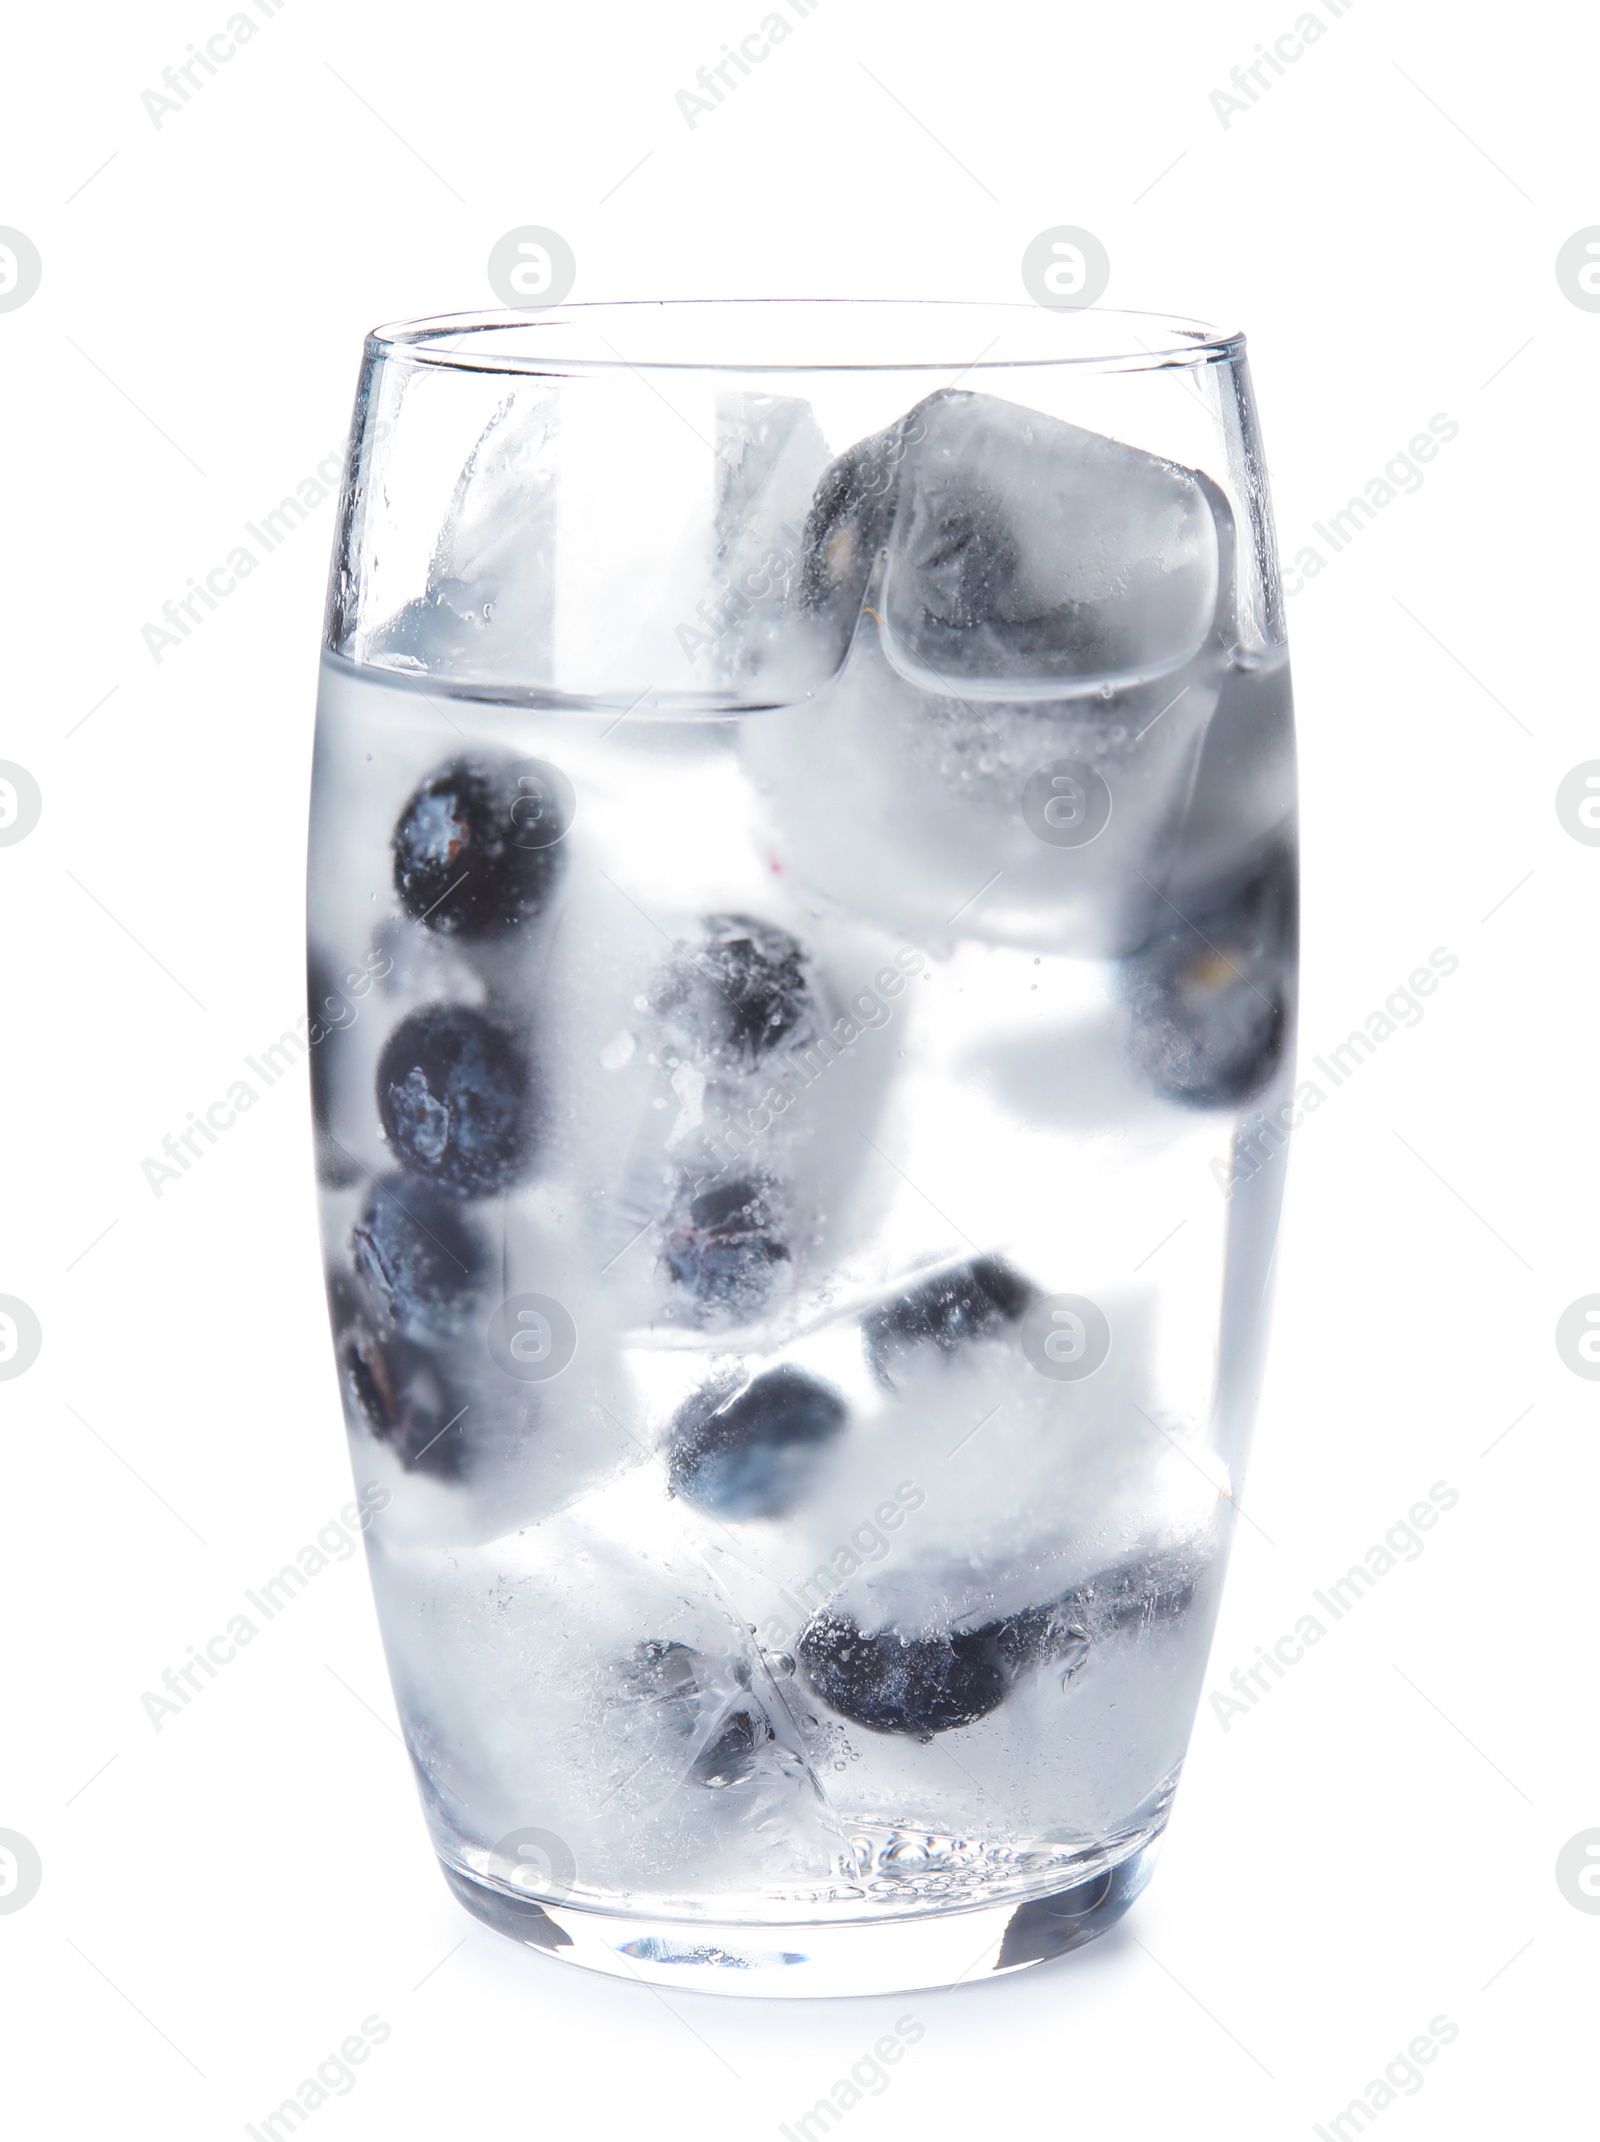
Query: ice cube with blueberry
column 1029, row 558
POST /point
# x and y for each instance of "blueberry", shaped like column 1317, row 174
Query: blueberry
column 740, row 991
column 423, row 1264
column 393, row 1391
column 731, row 1756
column 748, row 1455
column 891, row 1683
column 455, row 1098
column 723, row 1249
column 922, row 1685
column 473, row 852
column 1210, row 993
column 968, row 1301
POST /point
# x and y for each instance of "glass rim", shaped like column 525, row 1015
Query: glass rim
column 1130, row 341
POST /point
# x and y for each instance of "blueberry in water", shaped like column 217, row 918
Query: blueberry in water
column 393, row 1391
column 976, row 1300
column 740, row 991
column 892, row 1683
column 475, row 849
column 422, row 1263
column 1210, row 993
column 733, row 1753
column 456, row 1101
column 748, row 1455
column 724, row 1250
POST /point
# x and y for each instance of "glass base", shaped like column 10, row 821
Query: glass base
column 799, row 1962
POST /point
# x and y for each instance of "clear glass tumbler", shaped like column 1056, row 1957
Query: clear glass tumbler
column 802, row 940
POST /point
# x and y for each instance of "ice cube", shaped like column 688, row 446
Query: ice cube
column 732, row 1755
column 489, row 604
column 744, row 634
column 1029, row 558
column 736, row 993
column 931, row 810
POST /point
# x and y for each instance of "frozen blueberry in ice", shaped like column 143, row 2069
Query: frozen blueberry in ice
column 422, row 1261
column 849, row 522
column 739, row 992
column 456, row 1101
column 976, row 1300
column 747, row 1455
column 723, row 1248
column 475, row 849
column 1210, row 993
column 733, row 1752
column 893, row 1683
column 394, row 1391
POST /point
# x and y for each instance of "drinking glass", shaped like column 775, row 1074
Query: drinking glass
column 802, row 959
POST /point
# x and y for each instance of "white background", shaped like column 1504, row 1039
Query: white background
column 1374, row 1844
